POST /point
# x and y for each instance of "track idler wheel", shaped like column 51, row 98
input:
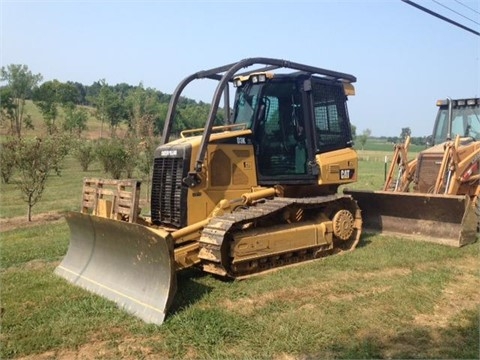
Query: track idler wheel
column 343, row 224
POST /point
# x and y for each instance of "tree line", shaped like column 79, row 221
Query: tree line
column 112, row 105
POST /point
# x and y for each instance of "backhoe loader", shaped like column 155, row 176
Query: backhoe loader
column 433, row 197
column 255, row 193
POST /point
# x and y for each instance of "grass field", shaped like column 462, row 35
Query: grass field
column 390, row 298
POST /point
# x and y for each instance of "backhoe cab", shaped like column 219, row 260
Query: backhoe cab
column 456, row 117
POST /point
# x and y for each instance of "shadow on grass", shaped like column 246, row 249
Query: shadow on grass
column 366, row 239
column 189, row 289
column 457, row 341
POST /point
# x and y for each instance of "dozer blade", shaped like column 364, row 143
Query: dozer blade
column 444, row 219
column 127, row 263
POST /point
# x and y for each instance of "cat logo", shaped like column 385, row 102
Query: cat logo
column 346, row 174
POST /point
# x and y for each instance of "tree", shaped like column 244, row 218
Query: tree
column 8, row 107
column 405, row 132
column 110, row 108
column 132, row 151
column 354, row 131
column 364, row 137
column 75, row 119
column 45, row 98
column 147, row 147
column 113, row 156
column 84, row 152
column 36, row 159
column 20, row 83
column 49, row 96
column 136, row 107
column 81, row 98
column 145, row 111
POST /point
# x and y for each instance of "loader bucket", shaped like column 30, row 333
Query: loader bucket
column 127, row 263
column 445, row 219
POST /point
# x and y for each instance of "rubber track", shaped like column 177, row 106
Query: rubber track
column 215, row 232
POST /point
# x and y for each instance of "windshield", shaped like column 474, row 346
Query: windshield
column 245, row 103
column 465, row 122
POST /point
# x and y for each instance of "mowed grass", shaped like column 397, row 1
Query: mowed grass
column 390, row 298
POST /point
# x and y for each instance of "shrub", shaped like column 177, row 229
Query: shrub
column 35, row 160
column 7, row 159
column 85, row 153
column 132, row 148
column 112, row 155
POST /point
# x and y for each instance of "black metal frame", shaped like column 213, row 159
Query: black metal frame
column 225, row 74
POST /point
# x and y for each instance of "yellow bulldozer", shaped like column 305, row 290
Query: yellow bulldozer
column 433, row 197
column 258, row 192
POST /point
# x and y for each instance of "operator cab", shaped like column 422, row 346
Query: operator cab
column 465, row 120
column 293, row 117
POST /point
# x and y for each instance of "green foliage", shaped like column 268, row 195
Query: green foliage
column 84, row 151
column 8, row 106
column 8, row 159
column 113, row 156
column 36, row 159
column 20, row 82
column 146, row 153
column 362, row 139
column 45, row 98
column 144, row 111
column 132, row 150
column 110, row 107
column 405, row 132
column 354, row 131
column 140, row 108
column 123, row 155
column 75, row 120
column 49, row 96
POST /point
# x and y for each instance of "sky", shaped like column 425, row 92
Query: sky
column 404, row 59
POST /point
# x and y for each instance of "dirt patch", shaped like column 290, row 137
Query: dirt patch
column 93, row 350
column 17, row 222
column 126, row 348
column 37, row 265
column 284, row 356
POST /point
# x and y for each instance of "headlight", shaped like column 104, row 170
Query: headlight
column 237, row 82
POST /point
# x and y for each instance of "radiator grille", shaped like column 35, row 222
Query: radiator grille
column 168, row 195
column 427, row 171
